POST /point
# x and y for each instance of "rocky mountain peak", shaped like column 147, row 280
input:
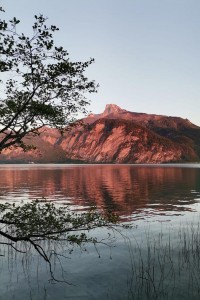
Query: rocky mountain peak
column 112, row 109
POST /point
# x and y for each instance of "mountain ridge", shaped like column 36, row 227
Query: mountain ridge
column 114, row 111
column 116, row 136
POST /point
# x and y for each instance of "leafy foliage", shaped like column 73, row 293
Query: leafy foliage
column 42, row 223
column 43, row 87
column 45, row 220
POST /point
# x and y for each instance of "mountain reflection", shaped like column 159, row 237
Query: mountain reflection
column 127, row 190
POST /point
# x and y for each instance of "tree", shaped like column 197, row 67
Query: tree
column 42, row 86
column 41, row 221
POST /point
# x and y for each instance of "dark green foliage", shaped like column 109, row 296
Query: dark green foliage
column 40, row 87
column 45, row 220
column 41, row 224
column 43, row 87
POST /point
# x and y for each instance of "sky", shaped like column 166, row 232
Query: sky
column 146, row 51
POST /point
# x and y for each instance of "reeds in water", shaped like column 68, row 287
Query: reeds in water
column 165, row 265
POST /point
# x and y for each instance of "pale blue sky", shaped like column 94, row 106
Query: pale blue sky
column 146, row 51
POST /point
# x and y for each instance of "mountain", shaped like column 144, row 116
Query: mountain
column 47, row 150
column 117, row 136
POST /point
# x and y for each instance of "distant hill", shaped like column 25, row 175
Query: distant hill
column 116, row 136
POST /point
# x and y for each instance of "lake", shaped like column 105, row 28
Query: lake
column 158, row 257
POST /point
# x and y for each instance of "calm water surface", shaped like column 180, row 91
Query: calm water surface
column 157, row 259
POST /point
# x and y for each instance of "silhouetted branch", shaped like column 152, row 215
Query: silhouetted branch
column 36, row 222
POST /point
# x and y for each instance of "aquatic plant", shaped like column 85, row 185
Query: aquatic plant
column 165, row 265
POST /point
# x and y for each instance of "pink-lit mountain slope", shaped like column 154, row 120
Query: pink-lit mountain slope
column 120, row 136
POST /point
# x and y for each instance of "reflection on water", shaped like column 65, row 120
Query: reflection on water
column 125, row 189
column 158, row 260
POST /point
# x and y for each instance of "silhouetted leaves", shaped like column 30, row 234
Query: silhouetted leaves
column 44, row 88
